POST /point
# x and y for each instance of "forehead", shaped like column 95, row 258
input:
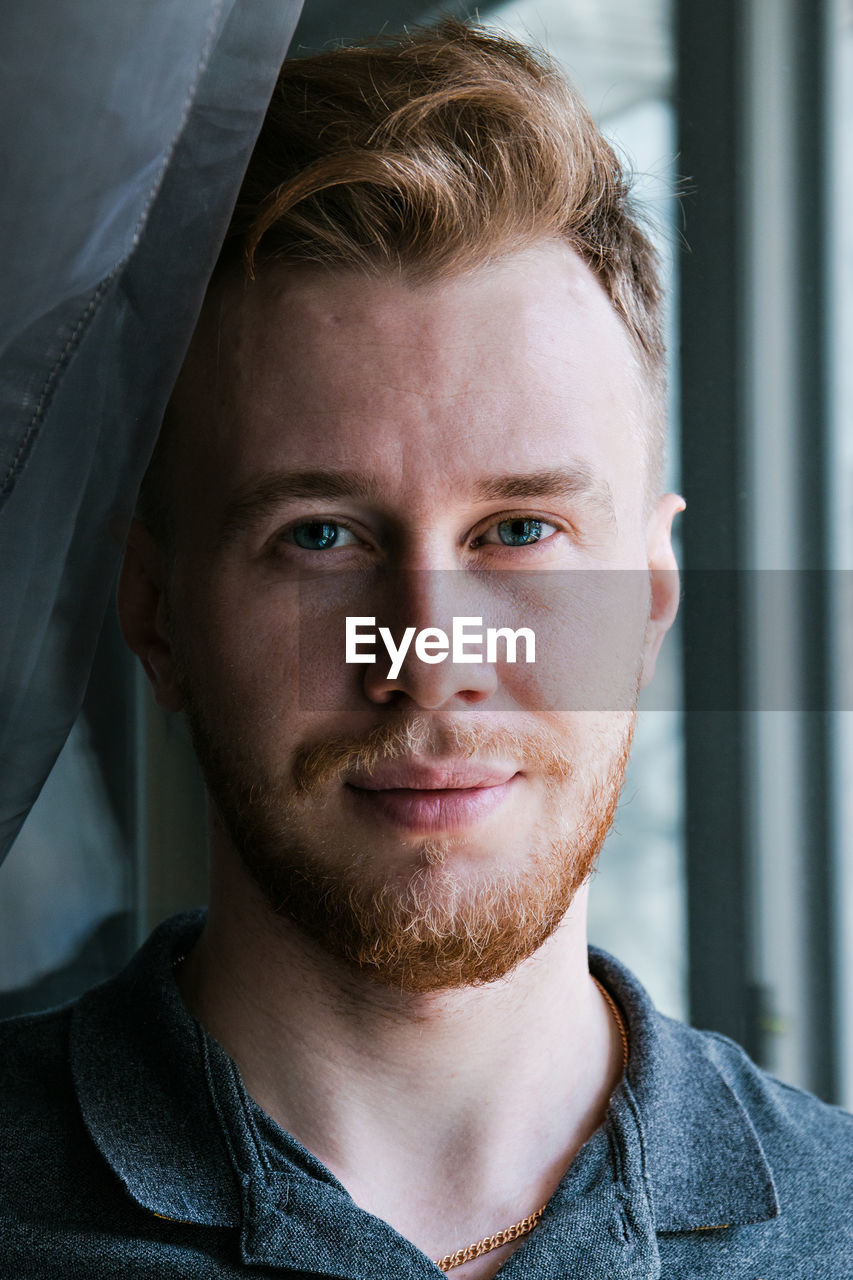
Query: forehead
column 521, row 362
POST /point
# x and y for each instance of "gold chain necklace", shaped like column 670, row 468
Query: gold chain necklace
column 523, row 1228
column 486, row 1245
column 618, row 1019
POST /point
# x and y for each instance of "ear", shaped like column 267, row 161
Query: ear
column 142, row 614
column 663, row 579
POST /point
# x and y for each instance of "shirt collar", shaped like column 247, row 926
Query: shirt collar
column 166, row 1107
column 138, row 1064
column 705, row 1166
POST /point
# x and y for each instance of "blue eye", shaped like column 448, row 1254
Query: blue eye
column 317, row 535
column 517, row 531
column 520, row 533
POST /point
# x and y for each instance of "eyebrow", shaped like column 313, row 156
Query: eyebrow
column 267, row 494
column 576, row 482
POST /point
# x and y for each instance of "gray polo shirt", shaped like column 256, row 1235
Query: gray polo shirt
column 129, row 1149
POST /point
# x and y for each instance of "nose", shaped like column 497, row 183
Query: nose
column 428, row 600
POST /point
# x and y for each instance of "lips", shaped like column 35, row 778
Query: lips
column 455, row 776
column 421, row 798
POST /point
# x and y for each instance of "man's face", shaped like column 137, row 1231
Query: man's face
column 353, row 447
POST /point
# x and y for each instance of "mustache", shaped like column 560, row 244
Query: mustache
column 317, row 764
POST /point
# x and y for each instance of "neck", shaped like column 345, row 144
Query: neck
column 451, row 1114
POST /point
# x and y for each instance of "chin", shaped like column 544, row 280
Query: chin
column 448, row 912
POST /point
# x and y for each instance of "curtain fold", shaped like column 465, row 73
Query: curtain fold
column 125, row 131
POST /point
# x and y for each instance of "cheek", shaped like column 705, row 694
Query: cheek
column 242, row 646
column 589, row 627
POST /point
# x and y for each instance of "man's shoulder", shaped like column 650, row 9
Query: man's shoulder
column 35, row 1076
column 764, row 1095
column 48, row 1058
column 807, row 1142
column 42, row 1135
column 33, row 1055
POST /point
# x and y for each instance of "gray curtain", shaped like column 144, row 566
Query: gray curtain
column 125, row 130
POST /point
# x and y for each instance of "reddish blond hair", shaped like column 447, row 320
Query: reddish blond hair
column 433, row 154
column 436, row 153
